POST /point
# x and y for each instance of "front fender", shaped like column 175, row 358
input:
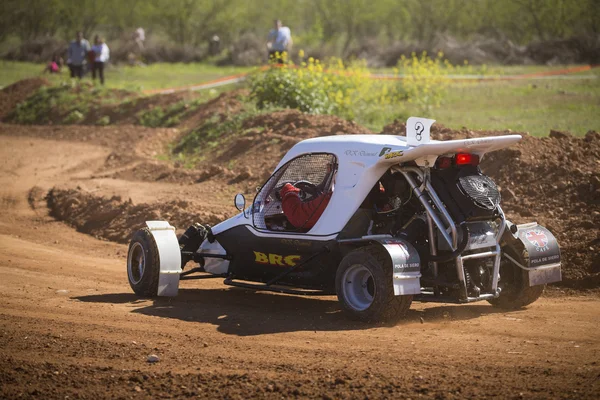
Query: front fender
column 169, row 255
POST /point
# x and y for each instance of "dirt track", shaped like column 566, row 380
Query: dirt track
column 70, row 325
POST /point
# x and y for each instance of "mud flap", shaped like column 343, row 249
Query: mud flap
column 407, row 266
column 541, row 252
column 169, row 255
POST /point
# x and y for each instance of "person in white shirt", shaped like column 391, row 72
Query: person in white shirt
column 140, row 37
column 279, row 42
column 101, row 56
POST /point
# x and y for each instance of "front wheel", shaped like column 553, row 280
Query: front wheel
column 516, row 292
column 364, row 286
column 143, row 264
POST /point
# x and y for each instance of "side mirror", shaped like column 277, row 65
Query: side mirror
column 240, row 202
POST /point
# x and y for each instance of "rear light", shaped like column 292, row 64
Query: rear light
column 443, row 162
column 466, row 159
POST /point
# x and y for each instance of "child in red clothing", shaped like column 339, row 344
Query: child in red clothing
column 53, row 66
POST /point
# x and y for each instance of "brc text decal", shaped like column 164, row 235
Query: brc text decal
column 387, row 151
column 276, row 259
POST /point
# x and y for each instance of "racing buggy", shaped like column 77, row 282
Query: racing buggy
column 378, row 220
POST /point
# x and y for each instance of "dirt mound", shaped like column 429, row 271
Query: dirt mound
column 85, row 104
column 556, row 181
column 294, row 123
column 12, row 95
column 553, row 180
column 128, row 139
column 115, row 219
column 221, row 107
column 184, row 110
column 162, row 172
column 129, row 112
column 267, row 137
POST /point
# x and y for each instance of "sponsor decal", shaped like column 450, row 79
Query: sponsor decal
column 546, row 260
column 393, row 154
column 359, row 153
column 276, row 259
column 387, row 151
column 384, row 151
column 296, row 242
column 475, row 142
column 407, row 267
column 538, row 239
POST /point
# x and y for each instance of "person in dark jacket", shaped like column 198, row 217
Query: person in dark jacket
column 78, row 52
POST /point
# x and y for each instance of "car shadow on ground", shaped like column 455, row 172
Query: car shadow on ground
column 243, row 312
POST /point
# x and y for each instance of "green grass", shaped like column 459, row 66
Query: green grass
column 526, row 106
column 155, row 76
column 533, row 106
column 502, row 70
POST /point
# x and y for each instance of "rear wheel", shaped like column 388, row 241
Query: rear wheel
column 364, row 285
column 143, row 264
column 516, row 292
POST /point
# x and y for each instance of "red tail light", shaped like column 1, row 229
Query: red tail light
column 466, row 159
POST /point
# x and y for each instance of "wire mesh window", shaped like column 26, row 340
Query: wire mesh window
column 311, row 173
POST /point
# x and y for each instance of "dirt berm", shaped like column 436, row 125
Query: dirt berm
column 13, row 94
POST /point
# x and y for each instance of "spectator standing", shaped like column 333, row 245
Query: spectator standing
column 77, row 53
column 140, row 37
column 101, row 56
column 279, row 42
column 214, row 46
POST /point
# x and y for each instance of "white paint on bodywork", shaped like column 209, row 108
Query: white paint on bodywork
column 169, row 255
column 353, row 181
column 215, row 266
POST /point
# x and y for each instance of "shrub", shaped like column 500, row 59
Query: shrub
column 425, row 79
column 152, row 118
column 350, row 91
column 103, row 121
column 73, row 117
column 304, row 88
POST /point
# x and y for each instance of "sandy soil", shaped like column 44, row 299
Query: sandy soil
column 70, row 326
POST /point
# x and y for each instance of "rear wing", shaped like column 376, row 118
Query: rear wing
column 425, row 151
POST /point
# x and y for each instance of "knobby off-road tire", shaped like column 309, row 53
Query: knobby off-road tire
column 516, row 292
column 143, row 264
column 364, row 286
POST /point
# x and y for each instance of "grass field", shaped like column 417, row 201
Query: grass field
column 534, row 106
column 155, row 76
column 526, row 106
